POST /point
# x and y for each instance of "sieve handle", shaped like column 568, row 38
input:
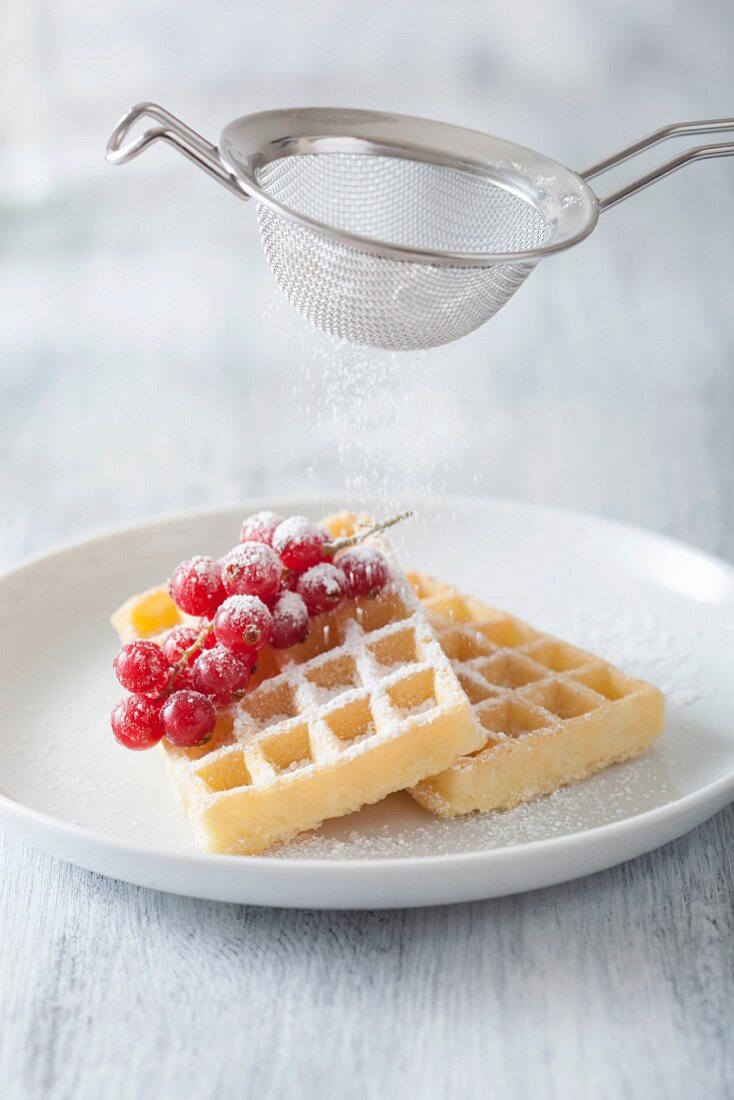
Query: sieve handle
column 176, row 133
column 676, row 129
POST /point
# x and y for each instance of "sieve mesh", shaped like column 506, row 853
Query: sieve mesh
column 381, row 302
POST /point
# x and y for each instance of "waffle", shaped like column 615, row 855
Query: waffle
column 550, row 713
column 148, row 615
column 367, row 705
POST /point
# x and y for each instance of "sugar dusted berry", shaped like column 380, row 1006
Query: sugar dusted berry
column 300, row 543
column 136, row 722
column 220, row 675
column 260, row 527
column 141, row 667
column 290, row 620
column 177, row 641
column 184, row 679
column 322, row 588
column 196, row 586
column 252, row 569
column 366, row 570
column 289, row 581
column 188, row 718
column 243, row 624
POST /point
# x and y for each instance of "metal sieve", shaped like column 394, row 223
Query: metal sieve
column 398, row 232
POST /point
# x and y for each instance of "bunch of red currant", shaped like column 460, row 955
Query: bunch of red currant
column 261, row 593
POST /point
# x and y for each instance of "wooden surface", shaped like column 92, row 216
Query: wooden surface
column 146, row 365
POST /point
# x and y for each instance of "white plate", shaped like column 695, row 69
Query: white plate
column 655, row 607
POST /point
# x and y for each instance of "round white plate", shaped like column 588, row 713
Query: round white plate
column 655, row 607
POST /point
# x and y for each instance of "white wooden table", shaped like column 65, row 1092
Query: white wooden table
column 146, row 365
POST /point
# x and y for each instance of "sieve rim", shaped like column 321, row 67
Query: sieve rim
column 570, row 208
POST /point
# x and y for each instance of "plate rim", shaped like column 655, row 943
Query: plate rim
column 106, row 531
column 12, row 810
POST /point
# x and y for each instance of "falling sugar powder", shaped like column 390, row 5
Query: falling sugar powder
column 383, row 426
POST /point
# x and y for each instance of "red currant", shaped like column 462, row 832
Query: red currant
column 136, row 722
column 184, row 679
column 260, row 527
column 248, row 658
column 300, row 543
column 289, row 581
column 220, row 675
column 322, row 588
column 188, row 718
column 366, row 570
column 290, row 620
column 243, row 624
column 141, row 667
column 252, row 569
column 177, row 641
column 196, row 586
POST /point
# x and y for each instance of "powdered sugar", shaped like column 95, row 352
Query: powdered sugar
column 644, row 643
column 290, row 620
column 327, row 579
column 380, row 433
column 620, row 792
column 420, row 708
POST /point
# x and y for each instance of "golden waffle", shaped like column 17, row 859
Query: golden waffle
column 367, row 705
column 148, row 615
column 550, row 712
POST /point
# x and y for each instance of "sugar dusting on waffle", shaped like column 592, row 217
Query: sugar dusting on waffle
column 612, row 795
column 364, row 704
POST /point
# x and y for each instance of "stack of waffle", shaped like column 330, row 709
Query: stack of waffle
column 421, row 689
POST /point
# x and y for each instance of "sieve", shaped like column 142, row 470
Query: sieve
column 399, row 232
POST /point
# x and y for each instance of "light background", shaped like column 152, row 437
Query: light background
column 138, row 317
column 147, row 364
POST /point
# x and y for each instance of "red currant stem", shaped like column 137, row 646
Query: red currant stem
column 187, row 653
column 352, row 540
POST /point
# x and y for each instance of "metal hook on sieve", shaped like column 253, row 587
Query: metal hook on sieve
column 176, row 133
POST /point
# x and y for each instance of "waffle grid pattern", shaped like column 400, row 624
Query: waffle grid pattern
column 363, row 688
column 367, row 705
column 368, row 700
column 568, row 712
